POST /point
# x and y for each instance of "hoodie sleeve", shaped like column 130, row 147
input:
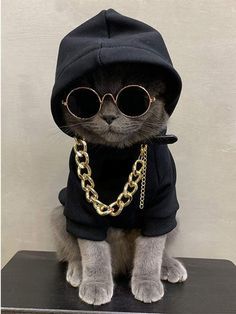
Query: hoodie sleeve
column 161, row 211
column 82, row 221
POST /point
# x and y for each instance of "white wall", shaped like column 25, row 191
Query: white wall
column 201, row 38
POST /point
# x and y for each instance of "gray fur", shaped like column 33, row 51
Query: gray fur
column 125, row 252
column 92, row 265
column 146, row 284
column 97, row 282
column 67, row 248
column 172, row 270
column 122, row 250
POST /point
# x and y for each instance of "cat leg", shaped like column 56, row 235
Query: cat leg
column 172, row 270
column 97, row 282
column 145, row 282
column 122, row 244
column 67, row 248
column 74, row 273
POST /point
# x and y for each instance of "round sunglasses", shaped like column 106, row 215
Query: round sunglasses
column 132, row 101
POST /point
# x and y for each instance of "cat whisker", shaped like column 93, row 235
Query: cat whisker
column 70, row 125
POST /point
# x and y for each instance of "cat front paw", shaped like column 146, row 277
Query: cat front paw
column 73, row 274
column 147, row 290
column 96, row 293
column 173, row 271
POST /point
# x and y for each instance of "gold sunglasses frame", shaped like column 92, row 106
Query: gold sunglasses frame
column 101, row 100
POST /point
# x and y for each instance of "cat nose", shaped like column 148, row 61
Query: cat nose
column 109, row 118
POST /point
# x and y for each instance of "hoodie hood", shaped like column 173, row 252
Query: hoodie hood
column 105, row 39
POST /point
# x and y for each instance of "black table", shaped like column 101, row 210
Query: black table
column 34, row 282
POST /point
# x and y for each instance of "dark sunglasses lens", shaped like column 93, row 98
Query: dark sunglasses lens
column 83, row 103
column 133, row 101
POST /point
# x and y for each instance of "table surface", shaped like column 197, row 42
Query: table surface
column 34, row 282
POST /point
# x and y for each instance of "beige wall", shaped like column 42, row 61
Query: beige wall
column 201, row 38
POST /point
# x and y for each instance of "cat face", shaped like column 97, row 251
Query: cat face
column 109, row 126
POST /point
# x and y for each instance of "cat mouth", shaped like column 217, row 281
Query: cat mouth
column 114, row 132
column 111, row 131
column 113, row 136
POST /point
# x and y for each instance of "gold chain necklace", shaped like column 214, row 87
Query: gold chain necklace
column 124, row 199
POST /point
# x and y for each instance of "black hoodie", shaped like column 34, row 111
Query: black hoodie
column 105, row 39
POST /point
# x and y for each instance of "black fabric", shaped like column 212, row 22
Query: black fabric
column 110, row 170
column 105, row 39
column 109, row 38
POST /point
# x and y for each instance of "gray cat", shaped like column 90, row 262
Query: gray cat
column 93, row 265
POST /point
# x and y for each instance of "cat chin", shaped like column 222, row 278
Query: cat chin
column 114, row 137
column 109, row 138
column 116, row 140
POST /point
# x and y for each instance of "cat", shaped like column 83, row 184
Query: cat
column 94, row 265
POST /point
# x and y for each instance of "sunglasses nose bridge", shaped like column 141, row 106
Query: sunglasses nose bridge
column 108, row 94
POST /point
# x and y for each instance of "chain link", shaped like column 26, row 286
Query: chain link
column 84, row 172
column 143, row 182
